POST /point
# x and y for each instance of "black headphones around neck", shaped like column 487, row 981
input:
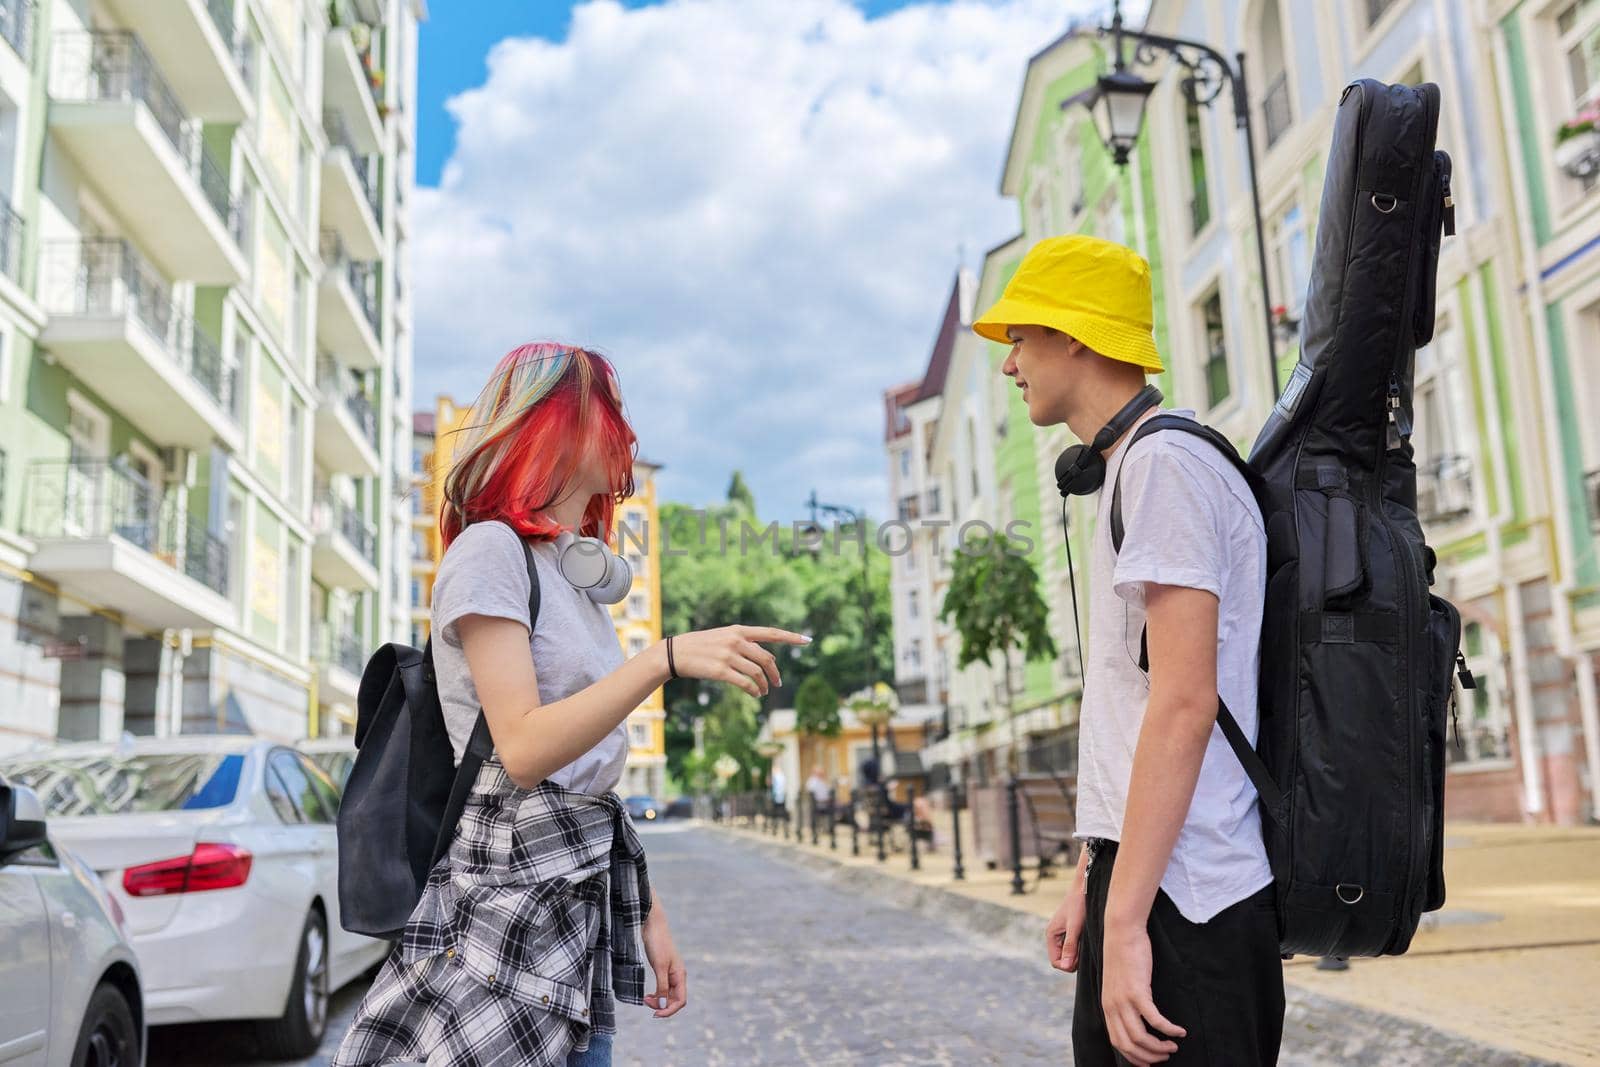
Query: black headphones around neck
column 1081, row 469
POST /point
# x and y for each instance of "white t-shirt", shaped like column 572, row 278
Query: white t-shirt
column 1189, row 519
column 574, row 643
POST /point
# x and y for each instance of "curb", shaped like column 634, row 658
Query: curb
column 1317, row 1029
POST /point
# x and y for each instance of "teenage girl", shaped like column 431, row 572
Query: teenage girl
column 527, row 932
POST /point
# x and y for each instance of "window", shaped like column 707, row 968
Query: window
column 1578, row 33
column 233, row 533
column 294, row 469
column 416, row 592
column 914, row 653
column 637, row 644
column 293, row 601
column 1041, row 211
column 321, row 785
column 910, row 558
column 639, row 735
column 419, row 544
column 1442, row 430
column 1275, row 106
column 1069, row 167
column 279, row 797
column 1108, row 220
column 638, row 606
column 1215, row 346
column 1199, row 191
column 972, row 452
column 638, row 564
column 1291, row 258
column 908, row 508
column 297, row 784
column 1483, row 721
column 913, row 604
column 5, row 362
column 905, row 463
column 933, row 500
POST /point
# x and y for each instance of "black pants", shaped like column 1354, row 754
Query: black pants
column 1222, row 981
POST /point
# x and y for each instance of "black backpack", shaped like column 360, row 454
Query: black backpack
column 1356, row 654
column 405, row 793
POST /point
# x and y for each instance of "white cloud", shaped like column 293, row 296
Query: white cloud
column 753, row 206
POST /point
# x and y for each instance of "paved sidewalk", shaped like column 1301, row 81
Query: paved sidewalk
column 1512, row 961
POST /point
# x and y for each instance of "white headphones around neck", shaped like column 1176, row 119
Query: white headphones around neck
column 589, row 564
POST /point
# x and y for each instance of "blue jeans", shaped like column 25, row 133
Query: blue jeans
column 598, row 1054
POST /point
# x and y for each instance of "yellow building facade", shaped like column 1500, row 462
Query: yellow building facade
column 637, row 617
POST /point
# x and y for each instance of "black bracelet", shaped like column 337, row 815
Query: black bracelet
column 672, row 668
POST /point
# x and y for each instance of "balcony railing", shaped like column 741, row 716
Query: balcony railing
column 11, row 227
column 338, row 132
column 1275, row 106
column 93, row 498
column 113, row 65
column 336, row 386
column 362, row 277
column 338, row 647
column 106, row 276
column 350, row 524
column 16, row 25
column 1444, row 488
column 223, row 17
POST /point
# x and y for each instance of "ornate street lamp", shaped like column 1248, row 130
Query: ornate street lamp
column 1118, row 101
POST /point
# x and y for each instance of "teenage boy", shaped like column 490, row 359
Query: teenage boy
column 1169, row 921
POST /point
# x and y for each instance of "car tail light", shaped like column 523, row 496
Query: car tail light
column 209, row 866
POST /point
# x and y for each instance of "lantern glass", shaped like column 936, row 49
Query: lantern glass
column 1119, row 111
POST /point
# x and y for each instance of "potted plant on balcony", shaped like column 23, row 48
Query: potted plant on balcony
column 1578, row 144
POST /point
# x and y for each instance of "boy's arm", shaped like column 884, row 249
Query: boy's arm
column 1182, row 634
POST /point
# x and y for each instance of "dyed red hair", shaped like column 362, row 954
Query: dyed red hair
column 545, row 409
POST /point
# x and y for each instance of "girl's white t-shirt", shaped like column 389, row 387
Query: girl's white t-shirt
column 574, row 643
column 1189, row 520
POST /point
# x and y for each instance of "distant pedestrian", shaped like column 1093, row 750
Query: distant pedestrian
column 529, row 929
column 821, row 792
column 1169, row 921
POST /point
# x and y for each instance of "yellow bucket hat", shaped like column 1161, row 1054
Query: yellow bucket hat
column 1091, row 289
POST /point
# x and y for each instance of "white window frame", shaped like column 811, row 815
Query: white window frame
column 1290, row 293
column 1069, row 169
column 1461, row 741
column 1440, row 370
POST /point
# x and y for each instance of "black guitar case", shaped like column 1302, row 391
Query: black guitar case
column 1356, row 653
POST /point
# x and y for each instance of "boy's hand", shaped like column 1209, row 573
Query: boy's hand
column 1125, row 998
column 1062, row 936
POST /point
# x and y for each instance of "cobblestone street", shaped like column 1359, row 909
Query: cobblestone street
column 792, row 965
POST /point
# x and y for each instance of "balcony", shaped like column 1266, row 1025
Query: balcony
column 1276, row 110
column 113, row 322
column 347, row 306
column 109, row 538
column 345, row 552
column 346, row 440
column 201, row 47
column 17, row 21
column 114, row 114
column 350, row 193
column 348, row 91
column 1444, row 489
column 11, row 229
column 340, row 657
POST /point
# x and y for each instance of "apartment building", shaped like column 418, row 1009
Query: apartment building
column 204, row 386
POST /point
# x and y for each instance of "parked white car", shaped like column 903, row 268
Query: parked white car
column 69, row 980
column 222, row 853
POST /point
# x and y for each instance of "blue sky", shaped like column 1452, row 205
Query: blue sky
column 455, row 43
column 753, row 207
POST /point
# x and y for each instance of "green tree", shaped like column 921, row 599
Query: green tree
column 739, row 493
column 994, row 604
column 816, row 708
column 720, row 566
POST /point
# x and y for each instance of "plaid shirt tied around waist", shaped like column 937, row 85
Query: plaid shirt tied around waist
column 526, row 936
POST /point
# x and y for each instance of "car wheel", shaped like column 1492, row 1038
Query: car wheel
column 108, row 1037
column 298, row 1031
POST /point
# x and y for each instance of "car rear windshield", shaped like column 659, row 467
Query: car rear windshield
column 136, row 782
